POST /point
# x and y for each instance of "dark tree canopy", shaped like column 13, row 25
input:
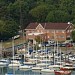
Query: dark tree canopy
column 8, row 29
column 22, row 12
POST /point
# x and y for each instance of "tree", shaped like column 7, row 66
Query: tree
column 39, row 13
column 38, row 39
column 19, row 11
column 22, row 12
column 73, row 14
column 73, row 35
column 8, row 29
column 58, row 16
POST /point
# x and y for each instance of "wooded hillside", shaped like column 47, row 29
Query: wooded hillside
column 19, row 13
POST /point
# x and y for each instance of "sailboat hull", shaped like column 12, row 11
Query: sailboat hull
column 36, row 68
column 47, row 70
column 62, row 72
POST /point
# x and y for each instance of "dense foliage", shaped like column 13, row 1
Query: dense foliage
column 73, row 35
column 19, row 13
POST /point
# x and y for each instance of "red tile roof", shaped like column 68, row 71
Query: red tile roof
column 48, row 25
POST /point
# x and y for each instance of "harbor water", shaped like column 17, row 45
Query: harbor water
column 16, row 71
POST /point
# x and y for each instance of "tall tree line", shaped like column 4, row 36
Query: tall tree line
column 19, row 13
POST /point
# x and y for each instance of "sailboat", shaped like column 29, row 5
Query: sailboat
column 3, row 62
column 46, row 69
column 30, row 60
column 14, row 63
column 36, row 67
column 25, row 65
column 57, row 66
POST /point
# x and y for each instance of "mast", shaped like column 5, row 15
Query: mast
column 54, row 49
column 57, row 50
column 13, row 47
column 60, row 57
column 1, row 49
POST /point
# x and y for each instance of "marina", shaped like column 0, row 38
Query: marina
column 46, row 60
column 41, row 62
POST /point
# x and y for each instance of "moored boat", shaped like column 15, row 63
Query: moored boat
column 62, row 72
column 29, row 63
column 4, row 62
column 37, row 68
column 47, row 70
column 24, row 67
column 14, row 63
column 67, row 68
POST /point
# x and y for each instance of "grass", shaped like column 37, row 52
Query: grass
column 8, row 43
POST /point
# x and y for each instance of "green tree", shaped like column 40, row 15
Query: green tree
column 39, row 12
column 73, row 35
column 73, row 14
column 19, row 11
column 58, row 16
column 8, row 29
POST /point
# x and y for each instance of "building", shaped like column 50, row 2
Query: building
column 49, row 31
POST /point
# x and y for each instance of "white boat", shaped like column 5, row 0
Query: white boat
column 34, row 60
column 8, row 74
column 29, row 63
column 55, row 67
column 24, row 67
column 42, row 64
column 4, row 62
column 37, row 68
column 14, row 63
column 45, row 60
column 47, row 70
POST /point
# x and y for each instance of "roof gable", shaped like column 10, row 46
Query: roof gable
column 39, row 26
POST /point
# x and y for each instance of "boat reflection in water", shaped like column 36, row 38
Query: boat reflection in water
column 3, row 70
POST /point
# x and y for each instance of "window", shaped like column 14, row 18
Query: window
column 57, row 31
column 62, row 31
column 67, row 31
column 37, row 30
column 61, row 36
column 52, row 31
column 47, row 31
column 48, row 37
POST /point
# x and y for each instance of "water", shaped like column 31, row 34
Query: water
column 16, row 71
